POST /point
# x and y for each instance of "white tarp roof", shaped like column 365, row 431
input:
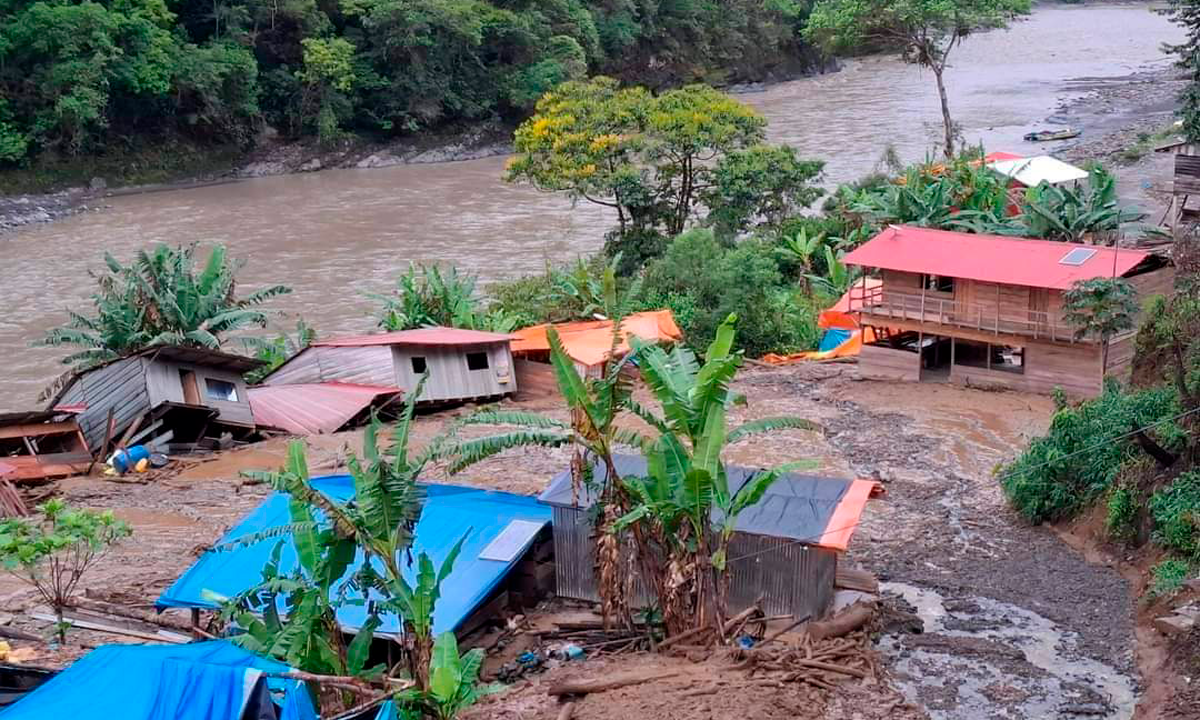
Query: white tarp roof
column 1035, row 170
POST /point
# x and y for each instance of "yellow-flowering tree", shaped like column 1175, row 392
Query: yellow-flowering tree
column 654, row 159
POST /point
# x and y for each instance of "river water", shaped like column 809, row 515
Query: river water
column 337, row 234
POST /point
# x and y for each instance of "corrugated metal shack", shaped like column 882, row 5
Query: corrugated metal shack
column 785, row 549
column 462, row 364
column 161, row 394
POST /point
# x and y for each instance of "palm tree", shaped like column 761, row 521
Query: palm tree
column 161, row 299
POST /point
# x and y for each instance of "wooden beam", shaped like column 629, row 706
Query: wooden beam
column 38, row 429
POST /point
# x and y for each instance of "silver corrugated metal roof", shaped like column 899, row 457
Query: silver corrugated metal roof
column 796, row 506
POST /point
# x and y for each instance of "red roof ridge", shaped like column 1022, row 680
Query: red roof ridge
column 1027, row 262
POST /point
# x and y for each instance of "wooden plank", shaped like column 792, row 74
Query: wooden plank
column 136, row 438
column 38, row 429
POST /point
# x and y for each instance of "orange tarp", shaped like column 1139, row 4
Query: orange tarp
column 588, row 341
column 846, row 515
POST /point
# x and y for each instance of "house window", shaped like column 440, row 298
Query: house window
column 477, row 361
column 220, row 390
column 418, row 365
column 937, row 283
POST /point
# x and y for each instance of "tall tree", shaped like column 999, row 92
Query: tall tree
column 657, row 159
column 924, row 31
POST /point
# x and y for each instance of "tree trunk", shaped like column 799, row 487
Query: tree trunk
column 947, row 123
column 1160, row 454
column 419, row 655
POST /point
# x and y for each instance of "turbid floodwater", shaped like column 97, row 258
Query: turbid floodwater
column 336, row 235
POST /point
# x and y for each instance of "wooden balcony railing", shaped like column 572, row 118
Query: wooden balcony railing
column 990, row 318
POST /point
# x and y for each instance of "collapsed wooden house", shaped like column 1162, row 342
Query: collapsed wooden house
column 783, row 556
column 989, row 311
column 463, row 365
column 42, row 444
column 159, row 396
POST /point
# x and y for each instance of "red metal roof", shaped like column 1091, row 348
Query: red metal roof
column 419, row 336
column 314, row 408
column 989, row 258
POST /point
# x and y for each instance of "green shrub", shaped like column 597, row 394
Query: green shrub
column 1121, row 520
column 1169, row 576
column 1176, row 513
column 1073, row 465
column 704, row 281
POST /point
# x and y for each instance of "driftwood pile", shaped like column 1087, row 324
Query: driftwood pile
column 821, row 663
column 595, row 640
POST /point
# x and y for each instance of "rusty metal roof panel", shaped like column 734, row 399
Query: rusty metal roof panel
column 315, row 408
column 419, row 336
column 989, row 258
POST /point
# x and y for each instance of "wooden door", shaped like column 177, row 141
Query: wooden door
column 1039, row 306
column 191, row 390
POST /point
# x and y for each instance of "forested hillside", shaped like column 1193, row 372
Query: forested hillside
column 93, row 77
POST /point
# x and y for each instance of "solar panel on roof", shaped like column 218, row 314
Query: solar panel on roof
column 1078, row 256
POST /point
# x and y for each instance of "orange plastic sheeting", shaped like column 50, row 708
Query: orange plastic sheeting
column 844, row 521
column 839, row 315
column 588, row 341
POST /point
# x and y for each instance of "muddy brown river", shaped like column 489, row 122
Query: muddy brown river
column 337, row 234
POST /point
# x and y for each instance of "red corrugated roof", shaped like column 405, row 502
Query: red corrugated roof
column 419, row 336
column 1000, row 155
column 988, row 258
column 314, row 408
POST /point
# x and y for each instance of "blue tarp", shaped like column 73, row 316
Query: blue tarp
column 201, row 681
column 832, row 338
column 449, row 512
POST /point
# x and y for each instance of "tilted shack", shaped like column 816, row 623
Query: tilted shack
column 462, row 364
column 173, row 394
column 785, row 549
column 39, row 444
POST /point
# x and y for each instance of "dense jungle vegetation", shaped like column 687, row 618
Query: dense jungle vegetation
column 106, row 76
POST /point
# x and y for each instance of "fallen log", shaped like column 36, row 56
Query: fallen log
column 15, row 634
column 831, row 667
column 586, row 687
column 740, row 618
column 792, row 626
column 152, row 618
column 567, row 711
column 847, row 621
column 685, row 635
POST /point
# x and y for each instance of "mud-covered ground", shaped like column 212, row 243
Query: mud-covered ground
column 1017, row 624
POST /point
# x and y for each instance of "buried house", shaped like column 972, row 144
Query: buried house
column 462, row 365
column 163, row 394
column 984, row 310
column 783, row 555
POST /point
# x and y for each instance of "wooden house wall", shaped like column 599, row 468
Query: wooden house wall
column 163, row 384
column 449, row 376
column 1120, row 358
column 120, row 386
column 368, row 365
column 876, row 362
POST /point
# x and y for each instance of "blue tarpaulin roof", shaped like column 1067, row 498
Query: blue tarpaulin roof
column 202, row 681
column 449, row 512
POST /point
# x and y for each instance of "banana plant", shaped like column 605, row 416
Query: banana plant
column 838, row 278
column 453, row 685
column 595, row 405
column 1071, row 214
column 684, row 501
column 380, row 522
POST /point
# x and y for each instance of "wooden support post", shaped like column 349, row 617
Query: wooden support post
column 952, row 345
column 196, row 623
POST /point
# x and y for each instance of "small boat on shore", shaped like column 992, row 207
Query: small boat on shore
column 1048, row 135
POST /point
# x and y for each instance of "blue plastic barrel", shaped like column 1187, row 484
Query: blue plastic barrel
column 124, row 460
